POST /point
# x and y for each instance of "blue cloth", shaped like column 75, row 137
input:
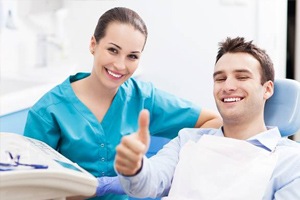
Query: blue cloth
column 109, row 185
column 62, row 121
column 156, row 175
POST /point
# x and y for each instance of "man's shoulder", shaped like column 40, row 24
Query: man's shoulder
column 196, row 133
column 289, row 150
column 200, row 131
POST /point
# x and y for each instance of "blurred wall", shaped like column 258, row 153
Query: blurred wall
column 183, row 36
column 53, row 36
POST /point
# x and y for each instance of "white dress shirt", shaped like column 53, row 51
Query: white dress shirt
column 155, row 177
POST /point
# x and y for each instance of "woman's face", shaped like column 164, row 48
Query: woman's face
column 117, row 54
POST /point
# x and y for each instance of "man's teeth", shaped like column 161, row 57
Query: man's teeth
column 232, row 99
column 114, row 75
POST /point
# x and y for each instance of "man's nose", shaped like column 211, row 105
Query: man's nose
column 230, row 84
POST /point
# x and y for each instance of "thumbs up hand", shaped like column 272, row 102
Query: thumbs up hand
column 143, row 132
column 130, row 152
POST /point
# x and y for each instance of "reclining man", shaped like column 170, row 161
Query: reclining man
column 244, row 159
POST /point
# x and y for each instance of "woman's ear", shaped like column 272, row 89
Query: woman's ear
column 93, row 44
column 269, row 89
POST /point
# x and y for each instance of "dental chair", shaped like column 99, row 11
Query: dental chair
column 283, row 108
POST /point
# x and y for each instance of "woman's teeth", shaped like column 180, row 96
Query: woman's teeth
column 114, row 75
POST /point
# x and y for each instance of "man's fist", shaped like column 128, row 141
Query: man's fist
column 133, row 147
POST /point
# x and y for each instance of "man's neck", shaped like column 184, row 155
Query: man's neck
column 243, row 131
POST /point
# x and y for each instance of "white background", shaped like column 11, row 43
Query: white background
column 181, row 48
column 179, row 55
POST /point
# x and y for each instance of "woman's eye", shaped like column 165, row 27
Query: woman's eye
column 133, row 57
column 113, row 50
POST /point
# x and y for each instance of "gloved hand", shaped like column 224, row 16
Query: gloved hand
column 107, row 185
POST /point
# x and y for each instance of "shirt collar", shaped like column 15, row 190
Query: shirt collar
column 219, row 132
column 267, row 139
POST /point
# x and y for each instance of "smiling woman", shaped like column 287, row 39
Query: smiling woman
column 93, row 111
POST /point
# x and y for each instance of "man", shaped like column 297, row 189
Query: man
column 244, row 159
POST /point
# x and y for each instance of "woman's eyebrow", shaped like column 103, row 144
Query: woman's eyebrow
column 117, row 46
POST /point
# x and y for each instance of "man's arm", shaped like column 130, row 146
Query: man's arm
column 142, row 177
column 290, row 191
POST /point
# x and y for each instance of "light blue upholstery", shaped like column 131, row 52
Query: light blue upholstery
column 283, row 108
column 14, row 122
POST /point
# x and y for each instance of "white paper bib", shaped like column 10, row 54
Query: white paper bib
column 219, row 168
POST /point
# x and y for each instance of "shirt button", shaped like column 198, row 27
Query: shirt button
column 102, row 159
column 102, row 145
column 103, row 173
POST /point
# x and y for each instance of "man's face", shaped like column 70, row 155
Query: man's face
column 238, row 92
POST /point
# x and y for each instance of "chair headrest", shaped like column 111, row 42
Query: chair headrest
column 283, row 108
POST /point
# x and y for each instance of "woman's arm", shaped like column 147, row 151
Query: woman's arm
column 209, row 119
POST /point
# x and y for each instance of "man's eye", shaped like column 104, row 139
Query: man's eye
column 243, row 77
column 220, row 79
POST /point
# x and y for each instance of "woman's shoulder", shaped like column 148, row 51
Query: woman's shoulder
column 55, row 95
column 133, row 82
column 137, row 87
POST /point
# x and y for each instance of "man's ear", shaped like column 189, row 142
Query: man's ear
column 93, row 43
column 269, row 89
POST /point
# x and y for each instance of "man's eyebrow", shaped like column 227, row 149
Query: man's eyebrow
column 235, row 71
column 243, row 70
column 217, row 73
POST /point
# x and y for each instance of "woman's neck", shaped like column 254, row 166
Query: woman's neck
column 95, row 88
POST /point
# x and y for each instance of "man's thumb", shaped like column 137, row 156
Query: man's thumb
column 143, row 132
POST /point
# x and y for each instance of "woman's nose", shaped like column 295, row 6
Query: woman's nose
column 120, row 63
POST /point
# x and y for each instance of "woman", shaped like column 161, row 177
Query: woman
column 85, row 117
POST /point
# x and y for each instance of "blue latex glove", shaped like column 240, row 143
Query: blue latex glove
column 109, row 185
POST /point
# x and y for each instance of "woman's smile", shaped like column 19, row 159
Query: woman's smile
column 114, row 75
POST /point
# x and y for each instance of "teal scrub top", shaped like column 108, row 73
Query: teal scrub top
column 62, row 121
